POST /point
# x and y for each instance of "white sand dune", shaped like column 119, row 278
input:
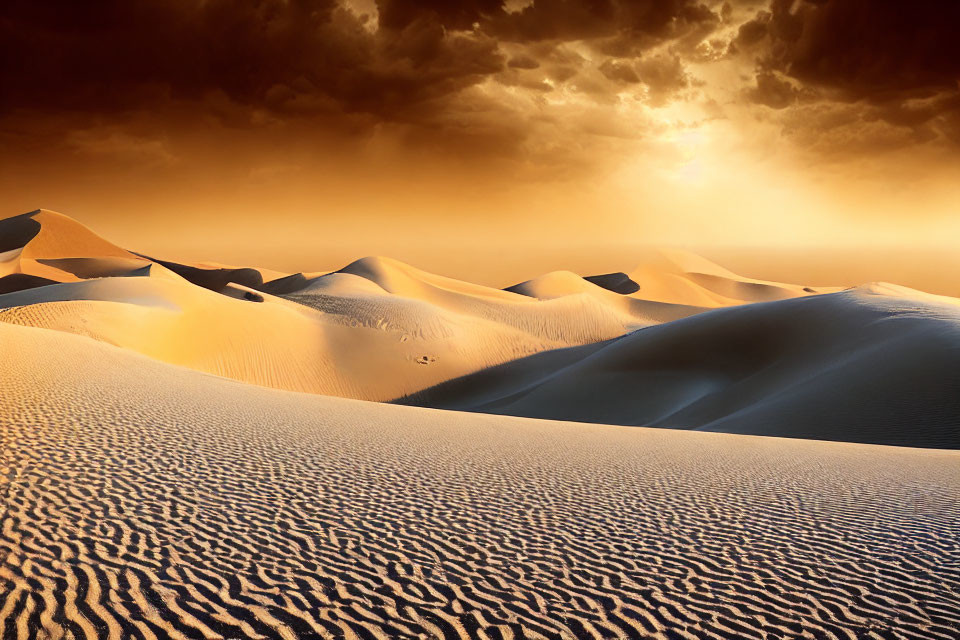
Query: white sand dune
column 876, row 364
column 144, row 500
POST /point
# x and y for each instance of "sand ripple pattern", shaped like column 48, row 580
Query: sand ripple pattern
column 145, row 501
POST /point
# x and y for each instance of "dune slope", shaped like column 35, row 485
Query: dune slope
column 46, row 244
column 877, row 364
column 145, row 500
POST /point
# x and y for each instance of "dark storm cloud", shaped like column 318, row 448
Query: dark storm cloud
column 869, row 49
column 899, row 60
column 454, row 14
column 628, row 22
column 248, row 62
column 109, row 54
column 297, row 55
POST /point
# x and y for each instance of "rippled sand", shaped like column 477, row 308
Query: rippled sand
column 145, row 500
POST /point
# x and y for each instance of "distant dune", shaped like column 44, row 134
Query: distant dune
column 375, row 330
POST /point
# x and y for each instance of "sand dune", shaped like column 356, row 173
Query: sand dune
column 266, row 275
column 671, row 277
column 275, row 343
column 52, row 246
column 876, row 364
column 563, row 284
column 769, row 358
column 356, row 343
column 681, row 277
column 376, row 329
column 145, row 500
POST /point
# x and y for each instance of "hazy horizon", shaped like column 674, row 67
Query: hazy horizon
column 256, row 133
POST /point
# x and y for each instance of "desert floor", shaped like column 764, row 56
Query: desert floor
column 146, row 500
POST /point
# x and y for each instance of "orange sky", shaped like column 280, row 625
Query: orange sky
column 301, row 134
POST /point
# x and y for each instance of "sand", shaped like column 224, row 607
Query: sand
column 50, row 245
column 375, row 330
column 146, row 500
column 877, row 364
column 374, row 347
column 682, row 277
column 679, row 342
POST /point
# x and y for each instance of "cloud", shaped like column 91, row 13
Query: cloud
column 773, row 91
column 619, row 71
column 523, row 61
column 294, row 56
column 299, row 55
column 122, row 145
column 664, row 75
column 878, row 51
column 452, row 14
column 900, row 61
column 427, row 73
column 471, row 77
column 628, row 24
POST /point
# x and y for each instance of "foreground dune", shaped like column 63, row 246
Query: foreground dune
column 877, row 364
column 145, row 500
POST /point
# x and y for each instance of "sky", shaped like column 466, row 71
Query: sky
column 473, row 136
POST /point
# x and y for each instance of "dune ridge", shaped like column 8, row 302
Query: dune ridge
column 46, row 245
column 875, row 364
column 376, row 329
column 682, row 277
column 151, row 501
column 350, row 345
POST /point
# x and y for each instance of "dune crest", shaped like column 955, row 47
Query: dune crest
column 45, row 244
column 682, row 277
